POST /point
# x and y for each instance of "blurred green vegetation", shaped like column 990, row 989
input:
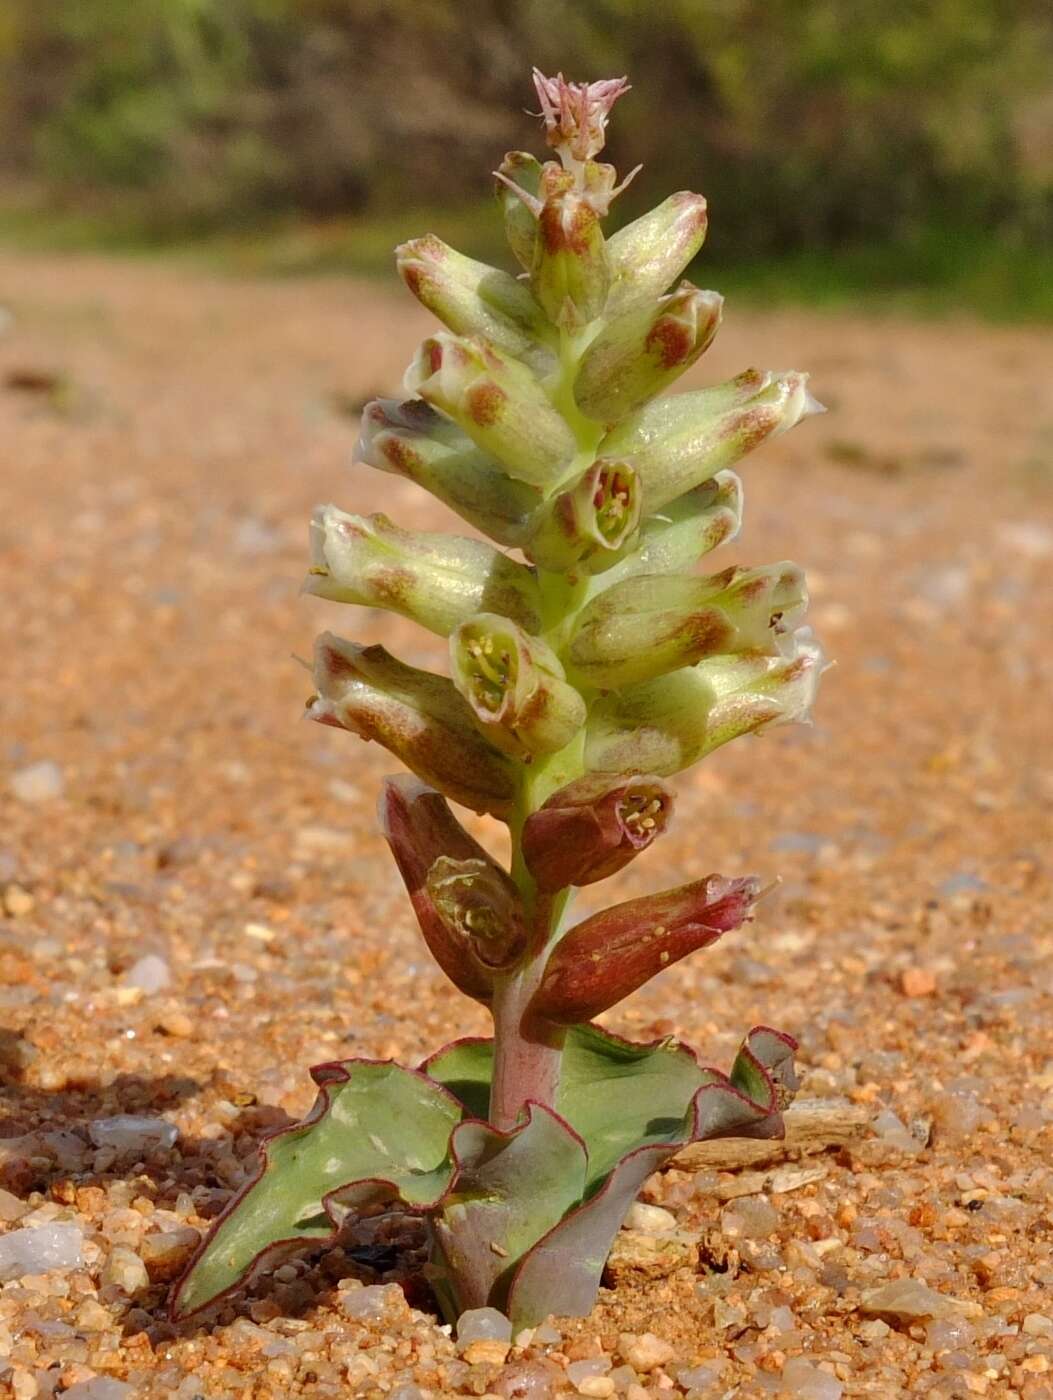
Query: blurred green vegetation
column 891, row 149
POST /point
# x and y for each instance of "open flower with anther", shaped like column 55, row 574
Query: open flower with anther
column 590, row 661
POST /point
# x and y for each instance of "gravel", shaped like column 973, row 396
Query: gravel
column 192, row 819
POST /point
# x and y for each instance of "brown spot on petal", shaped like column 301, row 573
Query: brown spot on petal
column 670, row 341
column 484, row 402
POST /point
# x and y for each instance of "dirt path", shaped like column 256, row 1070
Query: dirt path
column 163, row 436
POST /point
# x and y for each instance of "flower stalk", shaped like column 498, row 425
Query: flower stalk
column 582, row 676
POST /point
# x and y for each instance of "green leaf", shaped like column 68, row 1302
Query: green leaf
column 465, row 1067
column 511, row 1189
column 376, row 1132
column 621, row 1096
column 562, row 1272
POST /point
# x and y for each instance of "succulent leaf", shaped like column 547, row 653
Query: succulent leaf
column 511, row 1189
column 376, row 1133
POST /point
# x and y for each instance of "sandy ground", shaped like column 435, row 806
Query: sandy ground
column 153, row 530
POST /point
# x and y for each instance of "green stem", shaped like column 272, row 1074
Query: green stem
column 528, row 1051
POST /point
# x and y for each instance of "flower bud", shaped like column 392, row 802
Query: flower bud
column 570, row 275
column 654, row 249
column 575, row 114
column 415, row 715
column 643, row 352
column 429, row 846
column 665, row 725
column 519, row 174
column 515, row 687
column 611, row 955
column 433, row 579
column 654, row 623
column 687, row 529
column 413, row 441
column 498, row 403
column 589, row 524
column 482, row 905
column 677, row 442
column 593, row 827
column 473, row 298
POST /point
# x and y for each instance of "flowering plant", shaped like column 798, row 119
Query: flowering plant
column 582, row 677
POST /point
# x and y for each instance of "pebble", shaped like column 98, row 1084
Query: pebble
column 955, row 1116
column 18, row 902
column 598, row 1386
column 488, row 1351
column 38, row 782
column 370, row 1301
column 649, row 1220
column 150, row 974
column 483, row 1325
column 906, row 1300
column 646, row 1352
column 701, row 1377
column 11, row 1208
column 166, row 1254
column 177, row 1024
column 38, row 1249
column 807, row 1382
column 99, row 1388
column 129, row 1133
column 1037, row 1325
column 750, row 1218
column 125, row 1270
column 892, row 1130
column 917, row 982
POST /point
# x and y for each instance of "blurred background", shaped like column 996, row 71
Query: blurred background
column 898, row 151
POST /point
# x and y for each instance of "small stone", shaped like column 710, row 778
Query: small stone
column 646, row 1352
column 600, row 1386
column 1037, row 1325
column 875, row 1330
column 99, row 1388
column 701, row 1377
column 370, row 1301
column 750, row 1218
column 539, row 1379
column 39, row 1249
column 177, row 1024
column 649, row 1220
column 483, row 1325
column 18, row 902
column 38, row 782
column 128, row 1133
column 488, row 1351
column 807, row 1382
column 949, row 1333
column 150, row 974
column 24, row 1386
column 906, row 1300
column 892, row 1131
column 125, row 1270
column 11, row 1208
column 579, row 1371
column 917, row 982
column 409, row 1391
column 165, row 1255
